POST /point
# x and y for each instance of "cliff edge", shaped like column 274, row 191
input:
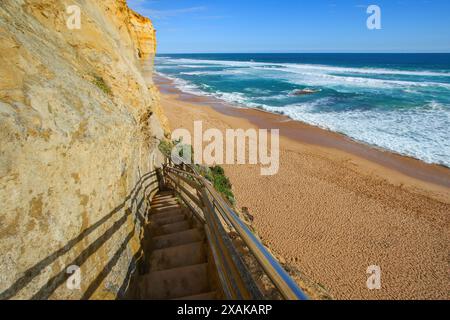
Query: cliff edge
column 79, row 131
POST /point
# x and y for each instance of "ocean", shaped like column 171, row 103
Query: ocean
column 397, row 102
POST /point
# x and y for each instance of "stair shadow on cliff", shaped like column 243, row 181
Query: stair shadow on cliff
column 46, row 291
column 113, row 261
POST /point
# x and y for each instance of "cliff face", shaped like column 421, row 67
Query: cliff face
column 143, row 35
column 79, row 130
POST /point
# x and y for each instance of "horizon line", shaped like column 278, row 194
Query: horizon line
column 311, row 52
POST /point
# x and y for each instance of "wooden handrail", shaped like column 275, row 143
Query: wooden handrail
column 236, row 280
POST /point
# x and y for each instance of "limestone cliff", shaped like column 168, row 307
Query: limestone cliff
column 143, row 35
column 79, row 129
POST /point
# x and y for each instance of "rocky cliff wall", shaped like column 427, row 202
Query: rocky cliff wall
column 79, row 130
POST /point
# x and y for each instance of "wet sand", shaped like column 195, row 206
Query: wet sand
column 337, row 206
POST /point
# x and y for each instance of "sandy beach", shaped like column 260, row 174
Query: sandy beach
column 337, row 206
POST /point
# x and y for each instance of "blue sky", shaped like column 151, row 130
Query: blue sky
column 191, row 26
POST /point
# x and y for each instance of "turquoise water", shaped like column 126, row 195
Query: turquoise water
column 399, row 102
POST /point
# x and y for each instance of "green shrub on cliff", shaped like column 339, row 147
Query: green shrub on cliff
column 165, row 146
column 216, row 175
column 101, row 84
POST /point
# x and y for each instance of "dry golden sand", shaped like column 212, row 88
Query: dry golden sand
column 331, row 214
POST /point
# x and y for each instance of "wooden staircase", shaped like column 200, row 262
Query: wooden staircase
column 196, row 247
column 177, row 261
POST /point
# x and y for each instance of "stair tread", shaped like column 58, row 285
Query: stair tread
column 158, row 205
column 176, row 239
column 166, row 214
column 172, row 228
column 169, row 220
column 177, row 261
column 164, row 193
column 175, row 283
column 163, row 200
column 174, row 257
column 166, row 209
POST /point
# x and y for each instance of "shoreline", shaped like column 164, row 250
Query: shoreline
column 328, row 214
column 306, row 133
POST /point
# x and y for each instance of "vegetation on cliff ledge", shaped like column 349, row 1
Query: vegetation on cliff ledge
column 101, row 84
column 215, row 174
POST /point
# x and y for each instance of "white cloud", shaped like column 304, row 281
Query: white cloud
column 141, row 6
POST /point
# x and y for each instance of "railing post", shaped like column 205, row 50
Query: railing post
column 218, row 214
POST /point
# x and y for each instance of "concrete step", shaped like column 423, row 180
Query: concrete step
column 172, row 228
column 177, row 239
column 174, row 283
column 175, row 257
column 203, row 296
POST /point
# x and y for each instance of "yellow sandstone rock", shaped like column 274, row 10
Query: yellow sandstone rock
column 79, row 131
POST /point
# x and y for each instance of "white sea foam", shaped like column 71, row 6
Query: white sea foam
column 434, row 105
column 273, row 97
column 377, row 71
column 192, row 66
column 317, row 75
column 257, row 91
column 183, row 85
column 189, row 87
column 421, row 132
column 322, row 68
column 212, row 73
column 309, row 77
column 233, row 97
column 401, row 132
column 201, row 73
